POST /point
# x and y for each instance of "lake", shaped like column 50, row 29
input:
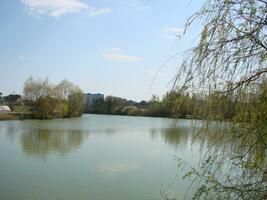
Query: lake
column 95, row 157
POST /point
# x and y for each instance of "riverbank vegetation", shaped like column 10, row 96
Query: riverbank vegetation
column 8, row 116
column 229, row 67
column 174, row 104
column 52, row 101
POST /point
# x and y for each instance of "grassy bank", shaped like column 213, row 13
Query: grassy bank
column 15, row 116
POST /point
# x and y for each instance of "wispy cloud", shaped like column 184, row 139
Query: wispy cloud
column 140, row 6
column 172, row 32
column 57, row 8
column 101, row 11
column 21, row 57
column 115, row 54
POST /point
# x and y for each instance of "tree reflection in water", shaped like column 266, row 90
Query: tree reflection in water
column 173, row 136
column 183, row 136
column 41, row 142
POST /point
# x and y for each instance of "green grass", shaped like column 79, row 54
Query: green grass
column 8, row 116
column 21, row 109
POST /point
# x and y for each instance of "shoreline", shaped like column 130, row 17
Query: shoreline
column 14, row 116
column 9, row 116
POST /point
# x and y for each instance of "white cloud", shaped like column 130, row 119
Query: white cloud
column 140, row 6
column 172, row 32
column 115, row 54
column 57, row 8
column 21, row 57
column 100, row 11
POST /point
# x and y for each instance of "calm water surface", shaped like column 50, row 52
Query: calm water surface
column 96, row 157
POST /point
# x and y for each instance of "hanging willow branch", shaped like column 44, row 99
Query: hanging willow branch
column 227, row 68
column 233, row 43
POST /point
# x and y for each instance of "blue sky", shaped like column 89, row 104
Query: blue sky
column 115, row 47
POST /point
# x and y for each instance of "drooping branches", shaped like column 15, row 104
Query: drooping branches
column 233, row 44
column 229, row 65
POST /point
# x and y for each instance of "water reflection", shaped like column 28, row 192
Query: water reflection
column 125, row 155
column 41, row 142
column 173, row 136
column 181, row 135
column 123, row 167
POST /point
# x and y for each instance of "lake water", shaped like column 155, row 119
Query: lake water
column 95, row 157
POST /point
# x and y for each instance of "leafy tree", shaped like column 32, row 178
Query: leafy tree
column 44, row 107
column 75, row 104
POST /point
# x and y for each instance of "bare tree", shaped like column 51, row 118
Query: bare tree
column 34, row 89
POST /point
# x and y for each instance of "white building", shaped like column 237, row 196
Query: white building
column 4, row 109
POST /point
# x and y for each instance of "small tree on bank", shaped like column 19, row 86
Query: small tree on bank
column 49, row 101
column 75, row 104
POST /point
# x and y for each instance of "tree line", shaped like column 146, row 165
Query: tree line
column 174, row 104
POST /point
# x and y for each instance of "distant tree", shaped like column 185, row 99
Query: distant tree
column 44, row 108
column 35, row 89
column 143, row 104
column 63, row 100
column 75, row 103
column 64, row 89
column 61, row 108
column 72, row 95
column 111, row 103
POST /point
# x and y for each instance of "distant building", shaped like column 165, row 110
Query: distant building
column 1, row 98
column 13, row 99
column 4, row 109
column 89, row 100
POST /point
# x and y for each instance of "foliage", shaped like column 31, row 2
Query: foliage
column 118, row 106
column 21, row 109
column 227, row 70
column 165, row 107
column 43, row 107
column 75, row 104
column 49, row 101
column 8, row 116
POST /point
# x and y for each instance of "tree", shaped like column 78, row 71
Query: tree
column 44, row 107
column 64, row 89
column 35, row 89
column 228, row 66
column 72, row 95
column 48, row 101
column 75, row 103
column 111, row 103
